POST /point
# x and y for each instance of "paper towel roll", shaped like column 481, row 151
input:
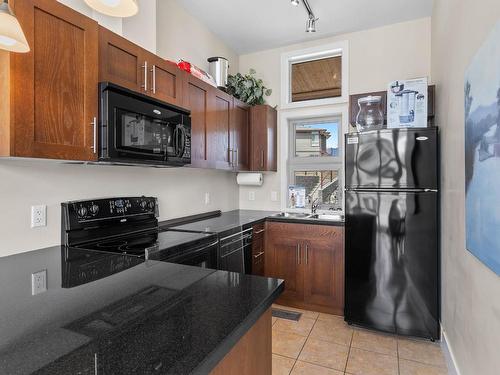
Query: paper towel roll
column 250, row 179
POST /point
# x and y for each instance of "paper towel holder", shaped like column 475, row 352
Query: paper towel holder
column 250, row 179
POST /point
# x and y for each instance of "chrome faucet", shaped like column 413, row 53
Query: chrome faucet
column 314, row 206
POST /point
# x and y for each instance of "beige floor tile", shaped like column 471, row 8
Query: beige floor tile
column 421, row 351
column 375, row 342
column 362, row 362
column 282, row 365
column 305, row 313
column 287, row 344
column 416, row 368
column 333, row 331
column 330, row 317
column 305, row 368
column 325, row 354
column 301, row 327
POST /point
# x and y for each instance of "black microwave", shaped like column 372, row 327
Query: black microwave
column 137, row 129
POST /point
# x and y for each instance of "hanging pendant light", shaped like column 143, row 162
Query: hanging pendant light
column 114, row 8
column 12, row 37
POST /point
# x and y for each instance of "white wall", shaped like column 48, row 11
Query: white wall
column 23, row 183
column 141, row 28
column 377, row 56
column 180, row 35
column 470, row 291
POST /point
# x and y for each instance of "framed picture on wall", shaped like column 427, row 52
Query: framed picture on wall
column 482, row 152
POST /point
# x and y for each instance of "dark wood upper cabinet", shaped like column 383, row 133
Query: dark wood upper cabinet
column 310, row 258
column 53, row 88
column 263, row 138
column 220, row 130
column 120, row 61
column 240, row 135
column 197, row 99
column 126, row 64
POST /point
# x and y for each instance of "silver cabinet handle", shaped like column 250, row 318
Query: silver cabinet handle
column 262, row 158
column 298, row 253
column 307, row 253
column 259, row 231
column 94, row 130
column 230, row 155
column 258, row 255
column 237, row 159
column 145, row 67
column 95, row 363
column 153, row 71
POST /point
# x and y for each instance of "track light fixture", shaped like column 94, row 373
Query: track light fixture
column 311, row 20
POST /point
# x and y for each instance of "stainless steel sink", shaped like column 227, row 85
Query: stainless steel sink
column 293, row 215
column 301, row 215
column 332, row 217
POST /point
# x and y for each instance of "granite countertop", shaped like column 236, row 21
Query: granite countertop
column 131, row 316
column 243, row 219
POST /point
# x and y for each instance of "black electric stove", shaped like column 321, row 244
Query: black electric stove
column 129, row 226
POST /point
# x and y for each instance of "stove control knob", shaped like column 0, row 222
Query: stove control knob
column 151, row 204
column 82, row 211
column 143, row 204
column 94, row 209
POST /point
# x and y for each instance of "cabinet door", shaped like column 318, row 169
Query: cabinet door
column 166, row 80
column 220, row 130
column 54, row 100
column 324, row 268
column 121, row 61
column 197, row 100
column 263, row 141
column 240, row 132
column 284, row 260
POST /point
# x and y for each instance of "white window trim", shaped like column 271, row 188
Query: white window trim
column 322, row 51
column 288, row 116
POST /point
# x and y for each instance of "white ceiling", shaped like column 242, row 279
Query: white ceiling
column 254, row 25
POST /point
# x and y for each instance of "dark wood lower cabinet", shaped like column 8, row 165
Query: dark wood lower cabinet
column 310, row 258
column 252, row 354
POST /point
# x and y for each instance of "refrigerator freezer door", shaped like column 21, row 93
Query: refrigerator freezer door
column 392, row 262
column 392, row 159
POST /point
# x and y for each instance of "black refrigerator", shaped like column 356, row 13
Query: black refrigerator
column 392, row 231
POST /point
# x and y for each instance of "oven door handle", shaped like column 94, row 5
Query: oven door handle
column 233, row 252
column 237, row 234
column 243, row 238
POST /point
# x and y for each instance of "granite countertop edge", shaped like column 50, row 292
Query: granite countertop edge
column 218, row 354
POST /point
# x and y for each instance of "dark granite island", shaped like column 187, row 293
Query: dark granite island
column 113, row 314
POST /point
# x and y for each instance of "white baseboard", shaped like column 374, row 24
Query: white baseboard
column 449, row 356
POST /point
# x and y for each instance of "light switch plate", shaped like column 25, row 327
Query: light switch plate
column 251, row 195
column 274, row 196
column 38, row 216
column 38, row 282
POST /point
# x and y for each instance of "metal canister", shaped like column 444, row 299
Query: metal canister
column 218, row 69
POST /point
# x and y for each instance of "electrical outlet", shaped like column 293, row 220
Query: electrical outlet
column 274, row 196
column 38, row 282
column 38, row 216
column 207, row 199
column 251, row 195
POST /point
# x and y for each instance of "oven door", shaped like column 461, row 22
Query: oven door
column 235, row 252
column 135, row 128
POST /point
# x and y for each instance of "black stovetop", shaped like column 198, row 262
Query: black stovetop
column 167, row 242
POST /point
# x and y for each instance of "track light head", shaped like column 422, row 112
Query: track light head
column 311, row 24
column 295, row 2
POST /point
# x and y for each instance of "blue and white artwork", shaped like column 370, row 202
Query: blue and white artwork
column 482, row 152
